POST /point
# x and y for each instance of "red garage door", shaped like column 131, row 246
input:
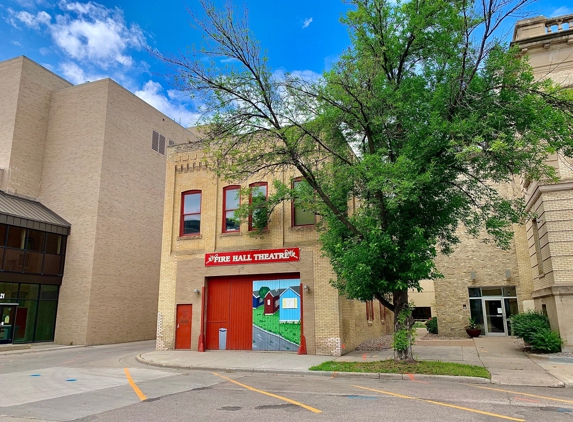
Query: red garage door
column 229, row 305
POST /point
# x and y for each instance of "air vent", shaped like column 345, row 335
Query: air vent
column 155, row 141
column 161, row 149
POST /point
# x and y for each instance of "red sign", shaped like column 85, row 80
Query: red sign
column 252, row 257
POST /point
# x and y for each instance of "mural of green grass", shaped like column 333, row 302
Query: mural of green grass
column 270, row 323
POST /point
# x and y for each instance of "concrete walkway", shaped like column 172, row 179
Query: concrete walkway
column 507, row 364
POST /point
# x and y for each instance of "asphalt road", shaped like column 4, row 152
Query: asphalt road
column 263, row 340
column 106, row 383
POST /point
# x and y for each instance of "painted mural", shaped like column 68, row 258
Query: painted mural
column 276, row 315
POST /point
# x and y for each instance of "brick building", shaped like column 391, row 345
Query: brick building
column 82, row 177
column 480, row 280
column 490, row 284
column 221, row 288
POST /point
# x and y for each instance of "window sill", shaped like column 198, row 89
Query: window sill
column 306, row 227
column 190, row 237
column 231, row 234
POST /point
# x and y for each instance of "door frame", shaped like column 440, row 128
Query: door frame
column 13, row 324
column 484, row 309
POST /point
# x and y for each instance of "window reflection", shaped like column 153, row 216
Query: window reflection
column 31, row 251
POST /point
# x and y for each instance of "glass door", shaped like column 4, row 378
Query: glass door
column 7, row 319
column 494, row 317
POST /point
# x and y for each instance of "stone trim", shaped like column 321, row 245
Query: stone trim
column 553, row 291
column 540, row 189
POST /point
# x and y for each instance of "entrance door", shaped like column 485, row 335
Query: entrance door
column 7, row 322
column 494, row 317
column 183, row 331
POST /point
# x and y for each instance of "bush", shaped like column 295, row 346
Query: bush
column 546, row 341
column 432, row 325
column 527, row 324
column 533, row 327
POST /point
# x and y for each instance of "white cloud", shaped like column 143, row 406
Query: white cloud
column 45, row 51
column 76, row 75
column 16, row 43
column 29, row 4
column 87, row 32
column 306, row 23
column 306, row 75
column 230, row 60
column 30, row 20
column 174, row 106
column 563, row 10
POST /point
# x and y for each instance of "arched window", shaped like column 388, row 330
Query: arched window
column 299, row 216
column 190, row 213
column 231, row 202
column 258, row 195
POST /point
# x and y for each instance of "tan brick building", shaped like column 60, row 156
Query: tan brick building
column 214, row 276
column 537, row 273
column 91, row 157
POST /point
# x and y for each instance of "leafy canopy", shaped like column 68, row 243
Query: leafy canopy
column 419, row 129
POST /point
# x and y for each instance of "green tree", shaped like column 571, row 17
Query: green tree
column 419, row 121
column 263, row 291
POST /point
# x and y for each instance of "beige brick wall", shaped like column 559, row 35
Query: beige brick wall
column 471, row 255
column 333, row 325
column 71, row 184
column 102, row 176
column 28, row 89
column 10, row 75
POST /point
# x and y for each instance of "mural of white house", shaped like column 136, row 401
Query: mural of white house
column 289, row 309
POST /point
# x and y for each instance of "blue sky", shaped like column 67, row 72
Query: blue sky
column 85, row 41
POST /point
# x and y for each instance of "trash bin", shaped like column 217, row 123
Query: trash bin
column 222, row 338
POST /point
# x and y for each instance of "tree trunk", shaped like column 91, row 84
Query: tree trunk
column 400, row 299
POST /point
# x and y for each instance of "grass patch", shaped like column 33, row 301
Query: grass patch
column 390, row 366
column 290, row 332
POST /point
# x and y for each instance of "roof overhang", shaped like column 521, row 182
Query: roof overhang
column 22, row 212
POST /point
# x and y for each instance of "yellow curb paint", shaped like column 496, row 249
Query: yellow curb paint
column 135, row 387
column 467, row 409
column 523, row 394
column 312, row 409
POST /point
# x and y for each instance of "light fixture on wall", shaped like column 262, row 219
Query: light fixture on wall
column 305, row 288
column 507, row 274
column 473, row 276
column 196, row 291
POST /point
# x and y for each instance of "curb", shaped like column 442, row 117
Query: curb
column 370, row 375
column 32, row 350
column 559, row 359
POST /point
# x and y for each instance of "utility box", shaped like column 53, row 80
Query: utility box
column 222, row 338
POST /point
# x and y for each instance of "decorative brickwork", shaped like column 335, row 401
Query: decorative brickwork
column 332, row 325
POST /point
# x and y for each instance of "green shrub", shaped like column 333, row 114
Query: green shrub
column 527, row 324
column 546, row 341
column 432, row 325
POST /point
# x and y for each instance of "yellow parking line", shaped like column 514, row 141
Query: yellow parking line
column 135, row 387
column 312, row 409
column 523, row 394
column 467, row 409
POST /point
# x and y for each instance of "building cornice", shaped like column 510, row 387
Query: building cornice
column 541, row 189
column 553, row 291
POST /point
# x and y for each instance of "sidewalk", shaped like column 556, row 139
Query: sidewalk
column 507, row 364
